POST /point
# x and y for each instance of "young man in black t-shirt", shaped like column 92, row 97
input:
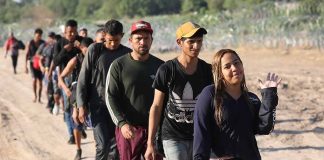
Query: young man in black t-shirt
column 64, row 50
column 179, row 81
column 36, row 72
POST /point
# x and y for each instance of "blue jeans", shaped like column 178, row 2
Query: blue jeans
column 67, row 114
column 178, row 150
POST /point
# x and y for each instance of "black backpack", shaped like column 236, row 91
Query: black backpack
column 21, row 45
column 98, row 47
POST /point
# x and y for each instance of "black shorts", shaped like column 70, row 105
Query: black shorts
column 35, row 72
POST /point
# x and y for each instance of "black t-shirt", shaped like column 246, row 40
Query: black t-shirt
column 182, row 91
column 33, row 48
column 62, row 56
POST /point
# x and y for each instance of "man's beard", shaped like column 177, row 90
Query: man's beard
column 144, row 51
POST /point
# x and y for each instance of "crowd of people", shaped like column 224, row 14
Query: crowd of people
column 141, row 107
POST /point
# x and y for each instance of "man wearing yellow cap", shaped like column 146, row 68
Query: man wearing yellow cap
column 178, row 83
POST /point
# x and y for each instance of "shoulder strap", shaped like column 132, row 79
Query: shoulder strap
column 98, row 47
column 97, row 53
column 77, row 68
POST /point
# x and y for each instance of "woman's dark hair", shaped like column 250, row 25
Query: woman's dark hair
column 220, row 84
column 113, row 27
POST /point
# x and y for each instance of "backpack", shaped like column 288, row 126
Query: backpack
column 21, row 45
column 98, row 47
column 74, row 77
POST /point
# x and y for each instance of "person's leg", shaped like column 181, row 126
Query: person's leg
column 132, row 148
column 77, row 134
column 77, row 137
column 76, row 131
column 67, row 118
column 34, row 89
column 103, row 137
column 50, row 95
column 177, row 150
column 113, row 154
column 123, row 146
column 40, row 86
column 32, row 71
column 14, row 59
column 57, row 95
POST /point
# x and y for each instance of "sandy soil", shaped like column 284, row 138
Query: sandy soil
column 28, row 131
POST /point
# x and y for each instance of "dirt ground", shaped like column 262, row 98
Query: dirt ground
column 28, row 131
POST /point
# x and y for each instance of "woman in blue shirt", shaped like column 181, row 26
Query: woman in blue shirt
column 227, row 116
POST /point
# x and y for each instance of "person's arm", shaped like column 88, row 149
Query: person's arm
column 154, row 121
column 40, row 61
column 113, row 95
column 66, row 71
column 202, row 127
column 39, row 52
column 113, row 100
column 6, row 47
column 60, row 53
column 50, row 70
column 266, row 114
column 84, row 81
column 27, row 57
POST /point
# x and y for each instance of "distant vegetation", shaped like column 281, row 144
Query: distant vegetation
column 230, row 23
column 21, row 10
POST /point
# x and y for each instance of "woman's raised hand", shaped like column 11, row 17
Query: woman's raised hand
column 272, row 80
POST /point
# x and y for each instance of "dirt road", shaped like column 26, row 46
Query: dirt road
column 28, row 131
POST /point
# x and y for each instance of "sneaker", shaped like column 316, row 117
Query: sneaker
column 56, row 110
column 78, row 155
column 71, row 140
column 83, row 134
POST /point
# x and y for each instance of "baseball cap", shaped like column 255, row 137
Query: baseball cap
column 188, row 29
column 141, row 25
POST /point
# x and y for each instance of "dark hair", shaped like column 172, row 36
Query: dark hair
column 84, row 29
column 38, row 31
column 220, row 86
column 86, row 41
column 100, row 30
column 113, row 27
column 58, row 37
column 71, row 23
column 51, row 34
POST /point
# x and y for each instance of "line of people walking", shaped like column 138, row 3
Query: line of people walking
column 141, row 107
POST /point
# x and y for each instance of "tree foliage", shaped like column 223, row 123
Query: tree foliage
column 12, row 11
